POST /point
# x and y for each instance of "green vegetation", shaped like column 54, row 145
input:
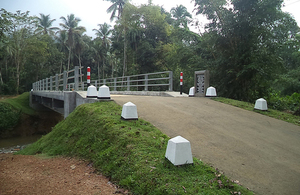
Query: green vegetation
column 285, row 116
column 21, row 103
column 9, row 118
column 131, row 153
column 11, row 110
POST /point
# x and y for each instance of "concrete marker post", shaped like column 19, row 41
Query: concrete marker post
column 88, row 75
column 181, row 82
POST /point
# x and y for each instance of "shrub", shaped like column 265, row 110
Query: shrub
column 9, row 117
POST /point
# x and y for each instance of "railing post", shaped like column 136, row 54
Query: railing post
column 170, row 81
column 96, row 83
column 146, row 82
column 56, row 82
column 47, row 84
column 76, row 78
column 51, row 83
column 104, row 81
column 115, row 84
column 65, row 82
column 128, row 83
column 44, row 83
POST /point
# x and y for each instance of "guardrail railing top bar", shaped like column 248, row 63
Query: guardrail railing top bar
column 64, row 82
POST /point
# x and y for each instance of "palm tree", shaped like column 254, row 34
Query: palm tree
column 118, row 5
column 182, row 15
column 103, row 33
column 63, row 46
column 70, row 25
column 45, row 23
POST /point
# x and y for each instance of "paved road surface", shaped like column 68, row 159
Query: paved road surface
column 261, row 152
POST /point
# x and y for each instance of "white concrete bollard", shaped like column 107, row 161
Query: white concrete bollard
column 179, row 151
column 211, row 92
column 91, row 92
column 261, row 104
column 103, row 92
column 129, row 111
column 192, row 92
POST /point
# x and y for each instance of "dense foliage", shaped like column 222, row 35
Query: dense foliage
column 11, row 111
column 9, row 118
column 250, row 47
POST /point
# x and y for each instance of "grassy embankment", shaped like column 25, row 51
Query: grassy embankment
column 11, row 110
column 131, row 153
column 285, row 116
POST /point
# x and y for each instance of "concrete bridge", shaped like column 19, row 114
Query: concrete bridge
column 64, row 92
column 256, row 151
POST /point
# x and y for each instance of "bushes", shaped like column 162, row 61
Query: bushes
column 9, row 117
column 276, row 101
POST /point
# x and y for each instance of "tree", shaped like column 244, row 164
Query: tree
column 181, row 15
column 243, row 41
column 70, row 24
column 18, row 41
column 44, row 25
column 103, row 33
column 118, row 5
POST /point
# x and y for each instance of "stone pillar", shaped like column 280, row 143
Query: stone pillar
column 201, row 82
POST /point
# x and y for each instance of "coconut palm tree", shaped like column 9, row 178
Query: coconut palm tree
column 103, row 33
column 181, row 15
column 44, row 25
column 118, row 5
column 70, row 25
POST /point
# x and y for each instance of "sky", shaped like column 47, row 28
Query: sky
column 93, row 12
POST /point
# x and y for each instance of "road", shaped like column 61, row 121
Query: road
column 260, row 152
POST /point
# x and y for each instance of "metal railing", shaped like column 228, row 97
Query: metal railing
column 158, row 81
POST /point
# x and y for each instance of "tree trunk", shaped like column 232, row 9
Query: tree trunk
column 1, row 80
column 18, row 77
column 98, row 71
column 103, row 68
column 124, row 65
column 69, row 59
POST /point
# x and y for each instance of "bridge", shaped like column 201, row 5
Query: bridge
column 64, row 92
column 254, row 150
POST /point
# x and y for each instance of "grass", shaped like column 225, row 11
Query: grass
column 130, row 153
column 21, row 103
column 285, row 116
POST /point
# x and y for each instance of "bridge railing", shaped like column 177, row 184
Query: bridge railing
column 65, row 81
column 72, row 80
column 158, row 81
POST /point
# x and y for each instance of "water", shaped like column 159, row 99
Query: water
column 10, row 142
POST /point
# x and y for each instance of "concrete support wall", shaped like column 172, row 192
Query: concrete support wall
column 61, row 102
